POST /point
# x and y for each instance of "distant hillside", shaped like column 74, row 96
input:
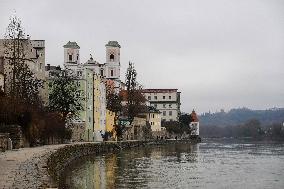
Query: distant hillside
column 241, row 115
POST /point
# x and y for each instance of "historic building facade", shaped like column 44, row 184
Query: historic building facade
column 153, row 116
column 33, row 53
column 167, row 101
column 99, row 102
column 94, row 115
column 110, row 70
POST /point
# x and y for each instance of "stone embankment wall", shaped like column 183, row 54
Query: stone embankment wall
column 58, row 160
column 15, row 133
column 4, row 138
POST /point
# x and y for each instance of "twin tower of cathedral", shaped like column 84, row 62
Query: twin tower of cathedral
column 110, row 69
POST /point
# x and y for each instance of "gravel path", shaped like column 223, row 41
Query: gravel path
column 25, row 167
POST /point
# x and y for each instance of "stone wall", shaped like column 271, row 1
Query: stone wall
column 58, row 160
column 4, row 137
column 15, row 133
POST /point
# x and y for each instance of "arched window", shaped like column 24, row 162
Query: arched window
column 111, row 57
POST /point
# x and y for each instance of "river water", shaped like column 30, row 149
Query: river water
column 210, row 164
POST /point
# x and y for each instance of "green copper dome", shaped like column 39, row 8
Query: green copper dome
column 73, row 45
column 112, row 44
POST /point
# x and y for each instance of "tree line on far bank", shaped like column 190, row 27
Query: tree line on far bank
column 251, row 129
column 239, row 116
column 243, row 122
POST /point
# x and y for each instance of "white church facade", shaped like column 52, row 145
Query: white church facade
column 110, row 70
column 91, row 78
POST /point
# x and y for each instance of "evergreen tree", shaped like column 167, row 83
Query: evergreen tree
column 64, row 95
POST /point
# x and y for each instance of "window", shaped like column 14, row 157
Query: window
column 70, row 57
column 155, row 97
column 170, row 106
column 170, row 97
column 164, row 105
column 102, row 72
column 111, row 72
column 170, row 113
column 155, row 105
column 79, row 73
column 153, row 115
column 77, row 57
column 164, row 97
column 164, row 113
column 149, row 97
column 111, row 57
column 40, row 66
column 89, row 119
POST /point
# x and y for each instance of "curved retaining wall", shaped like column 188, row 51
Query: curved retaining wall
column 58, row 160
column 62, row 157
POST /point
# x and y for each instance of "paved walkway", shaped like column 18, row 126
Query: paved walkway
column 13, row 162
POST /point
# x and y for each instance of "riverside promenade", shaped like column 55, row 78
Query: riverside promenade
column 40, row 167
column 18, row 168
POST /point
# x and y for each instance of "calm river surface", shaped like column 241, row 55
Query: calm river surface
column 210, row 164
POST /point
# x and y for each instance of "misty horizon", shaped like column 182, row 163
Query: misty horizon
column 220, row 55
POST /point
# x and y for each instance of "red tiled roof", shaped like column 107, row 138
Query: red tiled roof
column 194, row 116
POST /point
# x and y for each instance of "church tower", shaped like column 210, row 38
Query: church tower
column 71, row 53
column 112, row 69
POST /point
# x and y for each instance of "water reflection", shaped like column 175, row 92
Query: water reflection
column 212, row 164
column 128, row 169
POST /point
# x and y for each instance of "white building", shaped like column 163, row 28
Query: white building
column 110, row 69
column 167, row 101
column 33, row 51
column 95, row 95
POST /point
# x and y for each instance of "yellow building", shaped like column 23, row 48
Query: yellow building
column 153, row 116
column 99, row 108
column 110, row 122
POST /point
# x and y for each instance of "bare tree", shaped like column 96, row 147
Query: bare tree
column 135, row 99
column 21, row 83
column 113, row 100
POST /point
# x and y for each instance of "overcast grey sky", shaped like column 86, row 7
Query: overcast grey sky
column 218, row 53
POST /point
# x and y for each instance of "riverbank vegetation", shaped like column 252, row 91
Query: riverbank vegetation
column 251, row 129
column 21, row 102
